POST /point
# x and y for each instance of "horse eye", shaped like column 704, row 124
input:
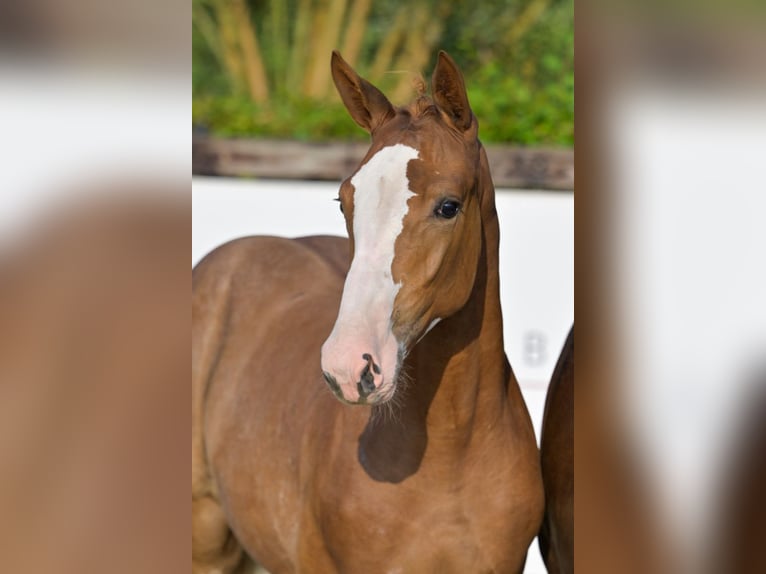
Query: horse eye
column 448, row 209
column 340, row 204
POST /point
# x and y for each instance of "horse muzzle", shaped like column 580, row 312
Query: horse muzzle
column 357, row 376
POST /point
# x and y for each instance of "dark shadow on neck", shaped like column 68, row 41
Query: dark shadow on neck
column 392, row 445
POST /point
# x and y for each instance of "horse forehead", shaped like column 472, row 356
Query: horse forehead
column 387, row 163
column 382, row 189
column 383, row 181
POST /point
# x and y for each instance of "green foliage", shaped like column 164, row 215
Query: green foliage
column 305, row 120
column 519, row 70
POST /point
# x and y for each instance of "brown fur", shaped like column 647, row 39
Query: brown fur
column 448, row 480
column 557, row 456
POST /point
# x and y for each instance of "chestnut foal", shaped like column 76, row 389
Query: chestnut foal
column 435, row 468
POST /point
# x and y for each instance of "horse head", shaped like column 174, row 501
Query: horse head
column 413, row 218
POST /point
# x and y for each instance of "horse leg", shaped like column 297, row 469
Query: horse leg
column 215, row 550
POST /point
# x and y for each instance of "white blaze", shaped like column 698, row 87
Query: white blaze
column 380, row 204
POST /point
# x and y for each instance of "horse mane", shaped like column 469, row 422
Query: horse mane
column 422, row 106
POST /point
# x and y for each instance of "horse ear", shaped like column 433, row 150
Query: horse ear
column 449, row 93
column 366, row 103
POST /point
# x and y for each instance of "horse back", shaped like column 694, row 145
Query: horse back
column 255, row 298
column 243, row 283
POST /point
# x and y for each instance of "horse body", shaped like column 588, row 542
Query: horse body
column 557, row 460
column 445, row 480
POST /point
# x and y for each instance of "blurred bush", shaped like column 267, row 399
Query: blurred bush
column 262, row 68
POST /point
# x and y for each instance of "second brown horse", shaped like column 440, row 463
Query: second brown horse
column 557, row 455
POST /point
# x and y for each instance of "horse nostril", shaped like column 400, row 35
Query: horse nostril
column 375, row 367
column 366, row 382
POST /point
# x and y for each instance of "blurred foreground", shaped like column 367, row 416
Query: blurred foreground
column 671, row 319
column 95, row 223
column 94, row 365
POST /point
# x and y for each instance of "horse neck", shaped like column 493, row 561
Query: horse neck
column 459, row 371
column 458, row 389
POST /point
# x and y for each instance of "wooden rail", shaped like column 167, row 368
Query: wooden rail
column 514, row 167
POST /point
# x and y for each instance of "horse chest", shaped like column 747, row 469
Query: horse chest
column 409, row 528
